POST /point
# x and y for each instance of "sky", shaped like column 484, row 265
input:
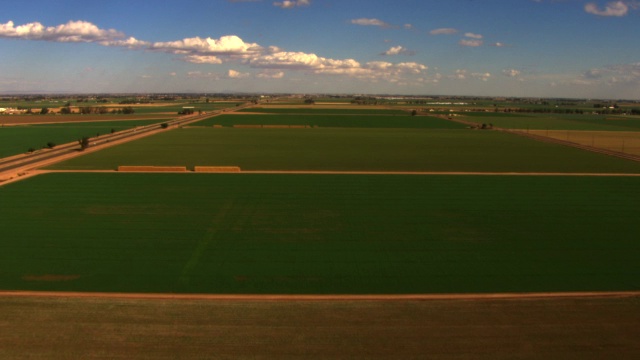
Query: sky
column 519, row 48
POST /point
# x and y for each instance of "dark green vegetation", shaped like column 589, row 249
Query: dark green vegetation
column 587, row 329
column 319, row 234
column 175, row 108
column 555, row 121
column 17, row 139
column 336, row 121
column 319, row 110
column 351, row 149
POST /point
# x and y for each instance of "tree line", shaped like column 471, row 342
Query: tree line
column 85, row 110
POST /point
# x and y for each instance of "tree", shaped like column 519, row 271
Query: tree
column 44, row 111
column 414, row 112
column 128, row 110
column 51, row 144
column 84, row 143
column 309, row 101
column 65, row 110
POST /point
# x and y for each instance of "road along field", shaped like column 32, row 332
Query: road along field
column 319, row 234
column 75, row 118
column 351, row 150
column 88, row 328
column 18, row 139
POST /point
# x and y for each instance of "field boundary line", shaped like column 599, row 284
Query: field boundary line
column 321, row 297
column 346, row 172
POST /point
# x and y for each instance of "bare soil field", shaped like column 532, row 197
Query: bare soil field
column 108, row 328
column 621, row 141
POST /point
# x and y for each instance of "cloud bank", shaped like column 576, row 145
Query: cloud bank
column 226, row 49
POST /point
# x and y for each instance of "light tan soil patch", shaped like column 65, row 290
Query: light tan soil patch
column 627, row 142
column 92, row 328
column 216, row 169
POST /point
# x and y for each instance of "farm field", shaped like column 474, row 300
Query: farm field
column 319, row 234
column 555, row 121
column 18, row 139
column 337, row 121
column 11, row 120
column 351, row 150
column 326, row 234
column 173, row 109
column 325, row 110
column 594, row 328
column 627, row 142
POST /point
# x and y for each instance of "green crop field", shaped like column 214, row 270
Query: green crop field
column 18, row 139
column 336, row 121
column 329, row 110
column 175, row 108
column 324, row 234
column 351, row 149
column 555, row 121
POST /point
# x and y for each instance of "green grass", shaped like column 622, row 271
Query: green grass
column 18, row 139
column 243, row 233
column 337, row 121
column 351, row 149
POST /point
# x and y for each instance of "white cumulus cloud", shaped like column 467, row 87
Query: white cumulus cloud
column 270, row 75
column 473, row 36
column 613, row 8
column 459, row 74
column 511, row 72
column 72, row 31
column 443, row 31
column 369, row 22
column 202, row 59
column 398, row 50
column 272, row 60
column 234, row 74
column 290, row 4
column 481, row 76
column 230, row 45
column 470, row 42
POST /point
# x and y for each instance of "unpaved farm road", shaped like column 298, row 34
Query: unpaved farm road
column 16, row 167
column 318, row 297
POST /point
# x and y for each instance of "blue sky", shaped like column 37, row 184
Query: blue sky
column 538, row 48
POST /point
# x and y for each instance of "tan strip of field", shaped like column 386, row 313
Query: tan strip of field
column 627, row 142
column 216, row 169
column 117, row 328
column 129, row 168
column 330, row 297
